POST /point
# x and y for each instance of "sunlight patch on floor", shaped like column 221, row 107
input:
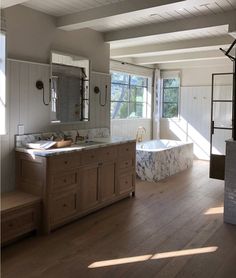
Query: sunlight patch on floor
column 157, row 256
column 216, row 210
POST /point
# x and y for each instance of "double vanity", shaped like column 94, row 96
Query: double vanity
column 77, row 180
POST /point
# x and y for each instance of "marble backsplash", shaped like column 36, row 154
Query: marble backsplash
column 22, row 140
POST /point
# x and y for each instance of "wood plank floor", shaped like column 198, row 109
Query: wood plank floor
column 173, row 228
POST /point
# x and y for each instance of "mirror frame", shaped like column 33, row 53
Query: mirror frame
column 89, row 83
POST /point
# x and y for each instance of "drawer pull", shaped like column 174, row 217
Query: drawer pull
column 65, row 162
column 64, row 180
column 64, row 205
column 10, row 225
column 92, row 156
column 126, row 163
column 108, row 153
column 127, row 149
column 126, row 182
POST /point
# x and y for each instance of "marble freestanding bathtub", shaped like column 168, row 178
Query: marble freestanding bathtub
column 158, row 159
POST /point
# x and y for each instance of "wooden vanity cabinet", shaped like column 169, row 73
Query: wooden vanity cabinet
column 97, row 177
column 126, row 168
column 88, row 187
column 74, row 184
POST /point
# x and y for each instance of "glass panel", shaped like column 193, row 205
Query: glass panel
column 120, row 77
column 119, row 92
column 119, row 110
column 137, row 110
column 223, row 79
column 170, row 110
column 222, row 114
column 171, row 95
column 138, row 94
column 223, row 92
column 173, row 82
column 223, row 87
column 218, row 140
column 138, row 81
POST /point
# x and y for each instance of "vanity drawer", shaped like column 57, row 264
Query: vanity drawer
column 125, row 164
column 63, row 207
column 107, row 153
column 64, row 181
column 90, row 156
column 126, row 183
column 126, row 150
column 17, row 223
column 64, row 162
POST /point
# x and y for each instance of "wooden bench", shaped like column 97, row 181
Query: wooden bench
column 20, row 215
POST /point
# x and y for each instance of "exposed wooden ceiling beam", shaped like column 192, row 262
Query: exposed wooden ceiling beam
column 203, row 55
column 86, row 18
column 178, row 46
column 8, row 3
column 185, row 24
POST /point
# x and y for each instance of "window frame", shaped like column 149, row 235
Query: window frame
column 146, row 102
column 170, row 75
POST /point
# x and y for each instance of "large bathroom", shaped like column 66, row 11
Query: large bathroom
column 117, row 138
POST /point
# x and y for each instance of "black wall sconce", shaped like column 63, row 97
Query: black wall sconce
column 40, row 86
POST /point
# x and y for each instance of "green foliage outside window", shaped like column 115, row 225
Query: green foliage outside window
column 128, row 96
column 170, row 97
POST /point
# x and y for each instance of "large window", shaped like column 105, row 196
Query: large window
column 170, row 96
column 130, row 96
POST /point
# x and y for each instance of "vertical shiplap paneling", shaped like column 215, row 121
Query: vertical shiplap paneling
column 194, row 121
column 128, row 127
column 38, row 113
column 100, row 114
column 25, row 106
column 14, row 112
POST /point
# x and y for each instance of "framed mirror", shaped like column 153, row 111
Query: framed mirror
column 70, row 78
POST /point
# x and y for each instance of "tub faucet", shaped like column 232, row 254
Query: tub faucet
column 141, row 131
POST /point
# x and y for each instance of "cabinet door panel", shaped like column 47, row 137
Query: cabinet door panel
column 107, row 181
column 63, row 181
column 126, row 183
column 63, row 207
column 89, row 187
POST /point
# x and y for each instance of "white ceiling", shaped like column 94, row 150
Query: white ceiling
column 138, row 30
column 171, row 37
column 185, row 9
column 63, row 7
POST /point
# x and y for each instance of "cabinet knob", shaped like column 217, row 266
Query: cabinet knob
column 108, row 153
column 92, row 156
column 66, row 162
column 10, row 225
column 127, row 149
column 64, row 205
column 64, row 180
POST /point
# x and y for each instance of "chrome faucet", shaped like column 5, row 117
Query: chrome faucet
column 141, row 131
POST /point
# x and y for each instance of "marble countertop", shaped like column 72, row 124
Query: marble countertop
column 94, row 144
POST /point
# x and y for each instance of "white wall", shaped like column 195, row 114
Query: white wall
column 195, row 105
column 128, row 127
column 30, row 37
column 32, row 34
column 25, row 106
